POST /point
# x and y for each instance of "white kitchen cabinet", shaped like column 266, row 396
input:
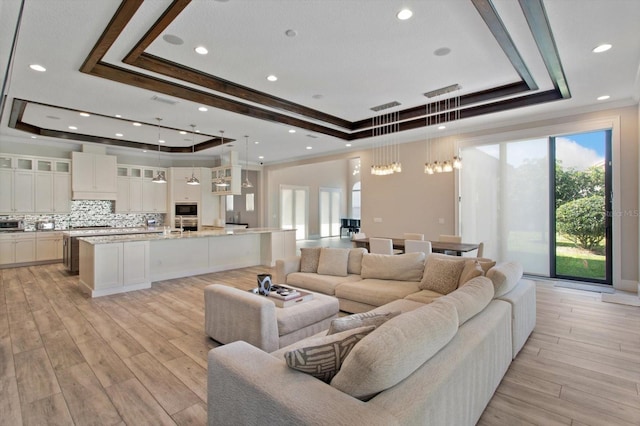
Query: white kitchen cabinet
column 52, row 192
column 48, row 246
column 180, row 190
column 18, row 247
column 230, row 175
column 93, row 176
column 154, row 196
column 129, row 198
column 16, row 191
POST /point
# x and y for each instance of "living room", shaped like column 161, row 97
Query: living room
column 141, row 357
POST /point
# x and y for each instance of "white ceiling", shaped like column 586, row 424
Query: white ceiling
column 346, row 57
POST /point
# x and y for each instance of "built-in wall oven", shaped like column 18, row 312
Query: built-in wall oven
column 186, row 216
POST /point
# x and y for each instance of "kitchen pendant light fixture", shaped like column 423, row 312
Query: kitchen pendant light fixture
column 160, row 177
column 220, row 180
column 193, row 180
column 246, row 183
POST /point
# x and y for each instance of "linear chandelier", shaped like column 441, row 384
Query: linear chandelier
column 434, row 117
column 386, row 152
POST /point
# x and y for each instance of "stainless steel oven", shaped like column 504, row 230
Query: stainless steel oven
column 8, row 225
column 186, row 216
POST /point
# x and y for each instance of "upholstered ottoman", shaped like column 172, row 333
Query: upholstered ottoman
column 231, row 314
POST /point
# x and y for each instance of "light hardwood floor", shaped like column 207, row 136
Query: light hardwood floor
column 140, row 358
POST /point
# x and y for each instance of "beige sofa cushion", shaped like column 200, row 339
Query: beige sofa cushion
column 333, row 261
column 375, row 292
column 442, row 273
column 396, row 349
column 360, row 320
column 471, row 270
column 505, row 276
column 309, row 259
column 355, row 260
column 424, row 296
column 322, row 357
column 403, row 267
column 326, row 284
column 470, row 299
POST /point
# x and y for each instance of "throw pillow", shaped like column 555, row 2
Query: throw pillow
column 442, row 275
column 324, row 357
column 471, row 270
column 393, row 351
column 355, row 260
column 333, row 261
column 309, row 258
column 403, row 267
column 360, row 320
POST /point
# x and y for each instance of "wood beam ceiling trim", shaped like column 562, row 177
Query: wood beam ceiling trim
column 538, row 21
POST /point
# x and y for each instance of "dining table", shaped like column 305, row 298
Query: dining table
column 436, row 246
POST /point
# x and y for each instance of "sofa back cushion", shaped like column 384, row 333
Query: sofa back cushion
column 403, row 267
column 471, row 270
column 355, row 260
column 396, row 349
column 442, row 273
column 309, row 259
column 470, row 299
column 505, row 276
column 333, row 261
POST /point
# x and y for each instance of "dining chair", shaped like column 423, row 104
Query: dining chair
column 412, row 246
column 358, row 236
column 480, row 251
column 450, row 238
column 381, row 245
column 412, row 236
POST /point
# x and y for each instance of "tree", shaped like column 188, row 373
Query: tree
column 572, row 184
column 583, row 221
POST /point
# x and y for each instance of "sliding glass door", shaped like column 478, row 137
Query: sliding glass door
column 330, row 212
column 581, row 197
column 293, row 209
column 541, row 202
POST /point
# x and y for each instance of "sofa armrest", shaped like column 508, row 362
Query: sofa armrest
column 248, row 386
column 285, row 267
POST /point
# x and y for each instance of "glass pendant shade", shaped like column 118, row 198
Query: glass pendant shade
column 246, row 183
column 220, row 182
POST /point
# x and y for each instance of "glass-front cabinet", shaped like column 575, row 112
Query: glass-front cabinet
column 226, row 180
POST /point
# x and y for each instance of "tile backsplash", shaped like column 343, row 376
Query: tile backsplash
column 91, row 213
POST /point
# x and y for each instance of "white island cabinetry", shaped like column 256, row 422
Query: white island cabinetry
column 120, row 263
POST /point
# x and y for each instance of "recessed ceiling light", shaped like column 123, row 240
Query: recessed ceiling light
column 137, row 124
column 443, row 51
column 347, row 145
column 34, row 137
column 37, row 67
column 261, row 157
column 119, row 135
column 272, row 77
column 197, row 131
column 172, row 39
column 85, row 114
column 602, row 48
column 257, row 142
column 309, row 147
column 603, row 98
column 73, row 128
column 144, row 150
column 182, row 132
column 160, row 140
column 442, row 127
column 292, row 131
column 118, row 116
column 201, row 50
column 404, row 14
column 203, row 109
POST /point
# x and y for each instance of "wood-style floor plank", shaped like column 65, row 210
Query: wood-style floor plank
column 141, row 357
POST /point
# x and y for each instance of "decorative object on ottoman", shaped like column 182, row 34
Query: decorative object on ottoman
column 264, row 284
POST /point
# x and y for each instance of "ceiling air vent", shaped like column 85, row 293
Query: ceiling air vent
column 442, row 91
column 312, row 136
column 163, row 100
column 385, row 106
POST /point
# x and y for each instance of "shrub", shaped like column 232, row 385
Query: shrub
column 583, row 221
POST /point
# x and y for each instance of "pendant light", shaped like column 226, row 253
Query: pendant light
column 193, row 180
column 160, row 178
column 220, row 180
column 246, row 183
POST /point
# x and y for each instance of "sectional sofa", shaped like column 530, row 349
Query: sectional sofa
column 431, row 360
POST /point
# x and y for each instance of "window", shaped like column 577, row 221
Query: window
column 355, row 201
column 249, row 202
column 229, row 202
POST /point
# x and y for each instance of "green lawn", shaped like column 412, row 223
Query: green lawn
column 575, row 262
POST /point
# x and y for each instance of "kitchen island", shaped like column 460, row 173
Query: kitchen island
column 119, row 263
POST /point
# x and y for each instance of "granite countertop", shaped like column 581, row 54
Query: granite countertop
column 112, row 231
column 106, row 239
